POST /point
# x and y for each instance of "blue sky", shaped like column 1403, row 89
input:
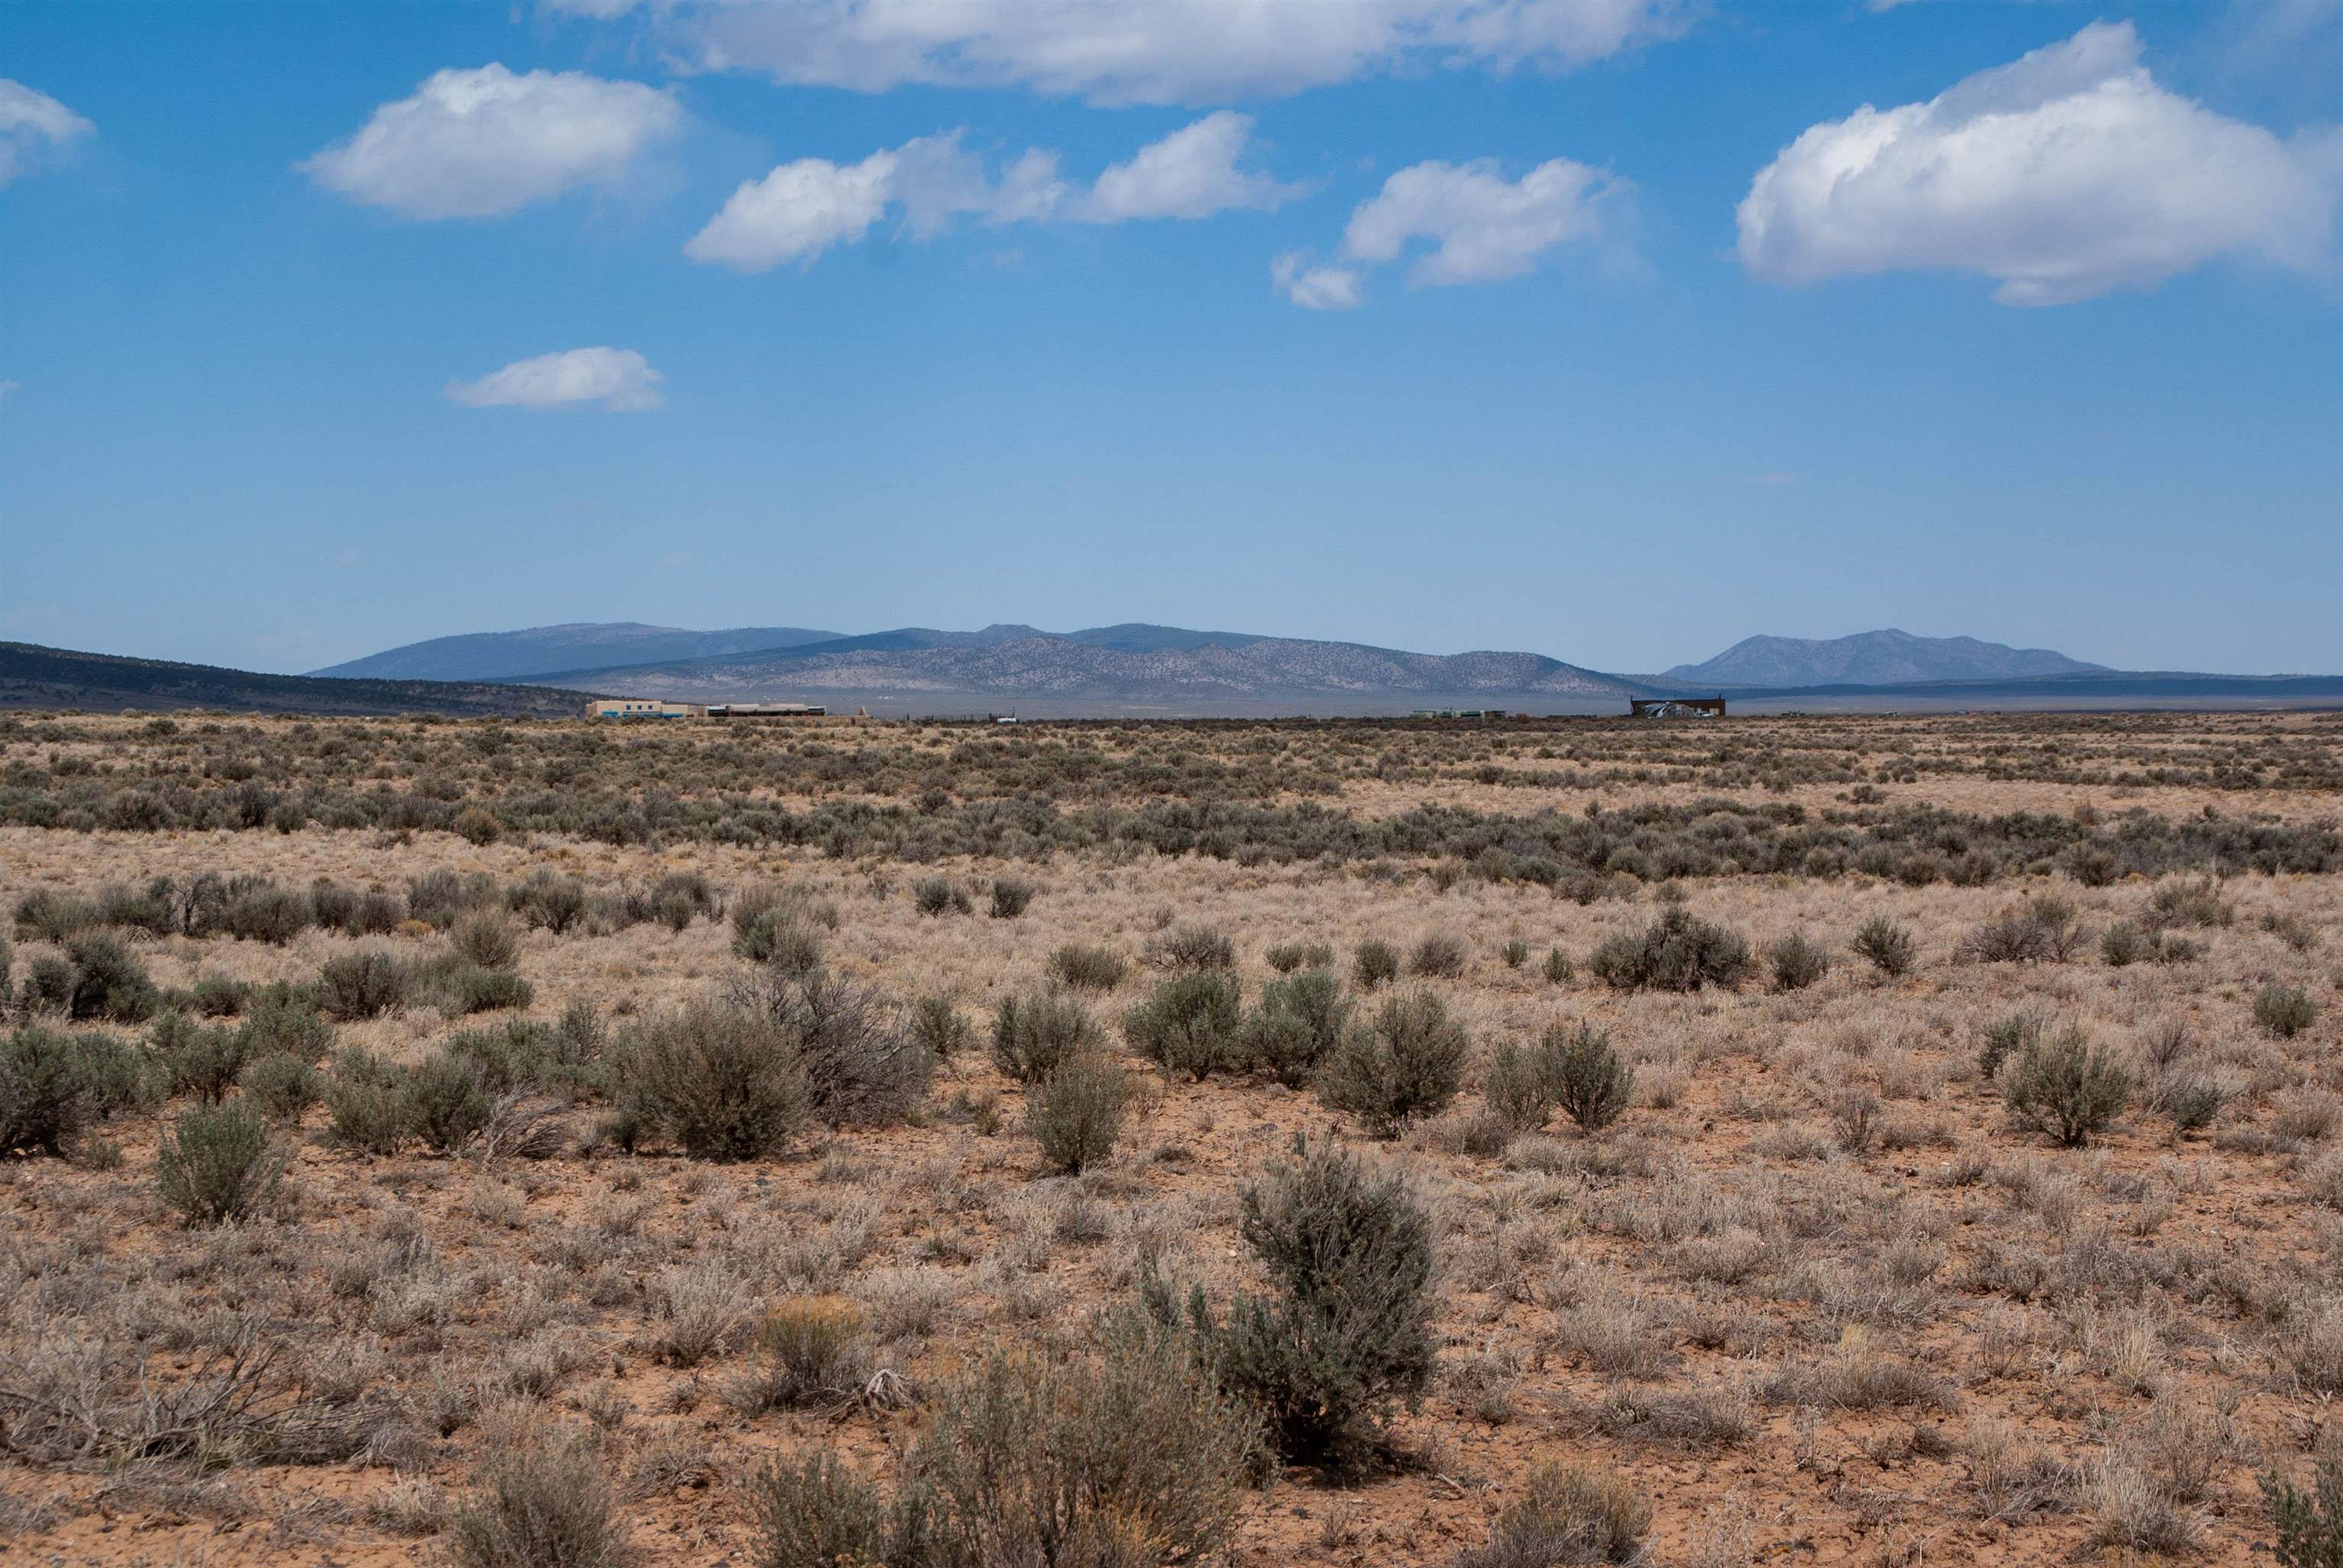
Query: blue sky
column 1616, row 329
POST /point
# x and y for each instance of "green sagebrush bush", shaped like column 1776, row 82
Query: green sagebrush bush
column 218, row 1164
column 1344, row 1335
column 1075, row 1115
column 1572, row 1069
column 1035, row 1034
column 1677, row 953
column 1189, row 1024
column 2066, row 1087
column 1404, row 1061
column 1126, row 1456
column 1295, row 1026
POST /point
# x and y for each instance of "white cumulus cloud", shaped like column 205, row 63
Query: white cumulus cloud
column 483, row 143
column 32, row 123
column 1317, row 287
column 1139, row 51
column 802, row 208
column 1192, row 173
column 2064, row 175
column 619, row 379
column 1483, row 226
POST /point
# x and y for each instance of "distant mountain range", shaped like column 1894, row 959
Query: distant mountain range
column 38, row 678
column 1889, row 657
column 520, row 655
column 1133, row 670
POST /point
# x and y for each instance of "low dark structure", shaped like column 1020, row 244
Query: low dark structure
column 1676, row 708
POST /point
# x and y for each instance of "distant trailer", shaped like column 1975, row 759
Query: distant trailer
column 766, row 711
column 1676, row 708
column 641, row 707
column 1460, row 713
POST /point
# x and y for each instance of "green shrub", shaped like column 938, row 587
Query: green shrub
column 444, row 1101
column 1035, row 1034
column 464, row 989
column 152, row 910
column 1559, row 969
column 477, row 825
column 2309, row 1524
column 1087, row 967
column 779, row 938
column 46, row 917
column 2194, row 1101
column 200, row 1059
column 1295, row 1027
column 485, row 938
column 256, row 911
column 1886, row 947
column 1570, row 1512
column 1374, row 962
column 1189, row 1024
column 1675, row 952
column 2124, row 944
column 940, row 895
column 283, row 1087
column 2042, row 930
column 116, row 1075
column 859, row 1068
column 1796, row 962
column 1346, row 1335
column 366, row 983
column 1287, row 957
column 218, row 1164
column 285, row 1018
column 44, row 1094
column 1404, row 1062
column 366, row 1100
column 1075, row 1114
column 2012, row 1035
column 549, row 903
column 2066, row 1087
column 939, row 1027
column 1515, row 953
column 48, row 985
column 724, row 1082
column 1010, row 895
column 2283, row 1010
column 1127, row 1457
column 809, row 1349
column 106, row 981
column 1440, row 954
column 1192, row 948
column 542, row 1503
column 1591, row 1083
column 516, row 1055
column 218, row 996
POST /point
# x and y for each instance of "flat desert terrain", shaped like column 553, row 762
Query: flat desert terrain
column 1844, row 1140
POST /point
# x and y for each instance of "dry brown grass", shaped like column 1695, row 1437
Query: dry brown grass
column 1812, row 1292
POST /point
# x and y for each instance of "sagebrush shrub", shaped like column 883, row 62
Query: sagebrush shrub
column 1346, row 1334
column 1440, row 955
column 1559, row 969
column 1403, row 1062
column 107, row 983
column 282, row 1086
column 1085, row 968
column 45, row 1095
column 485, row 938
column 218, row 1164
column 940, row 895
column 363, row 984
column 724, row 1082
column 1075, row 1115
column 542, row 1503
column 809, row 1349
column 1287, row 957
column 1189, row 1024
column 1885, row 947
column 200, row 1059
column 2283, row 1010
column 1678, row 952
column 365, row 1098
column 860, row 1066
column 1010, row 897
column 445, row 1102
column 939, row 1027
column 2065, row 1086
column 1374, row 962
column 1125, row 1457
column 1592, row 1084
column 1796, row 962
column 1034, row 1034
column 2041, row 930
column 1570, row 1512
column 1193, row 947
column 2124, row 944
column 2309, row 1524
column 1294, row 1027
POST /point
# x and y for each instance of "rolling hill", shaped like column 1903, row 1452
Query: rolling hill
column 1871, row 658
column 518, row 654
column 33, row 677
